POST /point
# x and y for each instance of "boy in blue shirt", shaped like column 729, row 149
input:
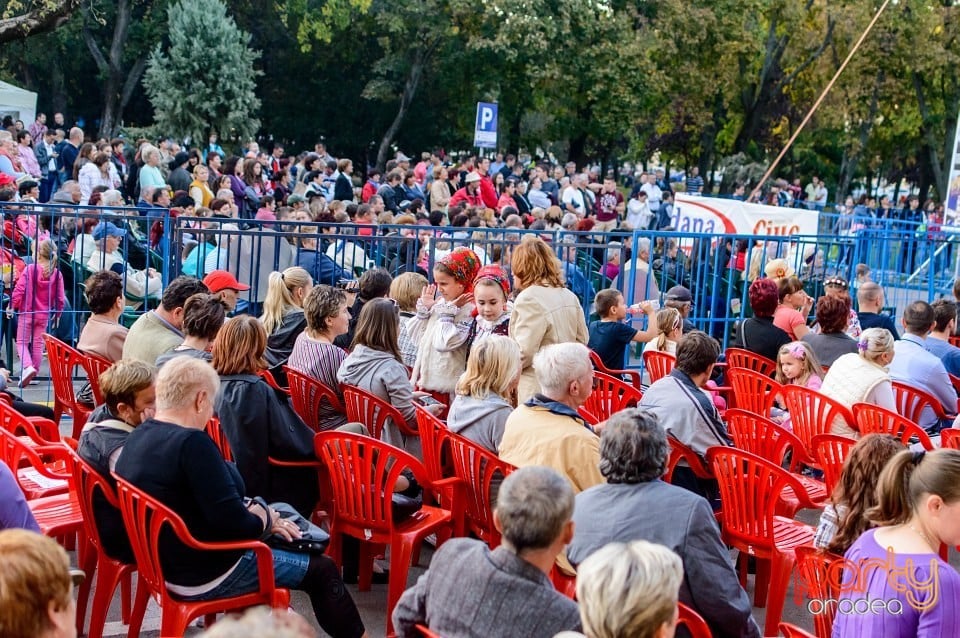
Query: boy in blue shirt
column 610, row 336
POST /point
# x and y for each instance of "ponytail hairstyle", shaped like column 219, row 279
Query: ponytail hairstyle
column 908, row 477
column 47, row 253
column 856, row 490
column 668, row 320
column 280, row 299
column 801, row 351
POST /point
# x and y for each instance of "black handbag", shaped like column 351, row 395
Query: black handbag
column 312, row 539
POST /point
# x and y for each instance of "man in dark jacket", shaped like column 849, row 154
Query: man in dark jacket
column 180, row 178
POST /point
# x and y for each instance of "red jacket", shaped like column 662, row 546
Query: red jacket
column 369, row 190
column 463, row 196
column 488, row 193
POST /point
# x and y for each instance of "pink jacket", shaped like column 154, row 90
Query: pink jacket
column 35, row 292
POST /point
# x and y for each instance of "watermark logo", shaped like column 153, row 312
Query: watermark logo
column 850, row 581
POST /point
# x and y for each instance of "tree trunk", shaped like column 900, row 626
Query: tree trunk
column 420, row 57
column 852, row 159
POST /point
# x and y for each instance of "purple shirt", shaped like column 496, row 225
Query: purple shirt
column 929, row 604
column 14, row 511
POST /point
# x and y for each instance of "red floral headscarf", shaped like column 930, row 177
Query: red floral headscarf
column 495, row 273
column 463, row 264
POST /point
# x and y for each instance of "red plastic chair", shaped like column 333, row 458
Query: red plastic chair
column 435, row 446
column 911, row 402
column 760, row 436
column 95, row 365
column 40, row 470
column 819, row 579
column 658, row 364
column 753, row 391
column 64, row 360
column 609, row 396
column 696, row 626
column 740, row 358
column 110, row 572
column 874, row 419
column 813, row 413
column 216, row 433
column 364, row 472
column 680, row 452
column 424, row 632
column 481, row 472
column 792, row 631
column 749, row 492
column 950, row 438
column 267, row 376
column 954, row 341
column 32, row 430
column 831, row 452
column 369, row 409
column 633, row 375
column 145, row 519
column 307, row 395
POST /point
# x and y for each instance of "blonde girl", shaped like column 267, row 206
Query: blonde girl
column 669, row 331
column 798, row 365
column 441, row 326
column 38, row 294
column 283, row 317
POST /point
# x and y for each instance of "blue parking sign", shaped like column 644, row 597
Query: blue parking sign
column 485, row 130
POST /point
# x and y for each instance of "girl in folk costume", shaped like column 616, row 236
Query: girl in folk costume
column 491, row 292
column 441, row 326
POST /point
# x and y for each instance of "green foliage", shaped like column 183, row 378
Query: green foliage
column 206, row 79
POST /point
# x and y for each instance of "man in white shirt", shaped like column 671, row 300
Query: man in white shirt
column 572, row 198
column 654, row 196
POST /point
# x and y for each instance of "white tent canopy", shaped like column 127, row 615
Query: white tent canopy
column 18, row 103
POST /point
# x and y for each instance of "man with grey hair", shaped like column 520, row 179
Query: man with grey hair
column 635, row 275
column 635, row 505
column 547, row 429
column 471, row 590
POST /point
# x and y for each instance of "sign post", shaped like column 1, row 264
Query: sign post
column 485, row 129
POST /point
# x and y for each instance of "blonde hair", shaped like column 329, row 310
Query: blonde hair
column 280, row 298
column 534, row 264
column 181, row 378
column 811, row 365
column 35, row 573
column 492, row 366
column 628, row 590
column 46, row 252
column 406, row 289
column 668, row 320
column 874, row 342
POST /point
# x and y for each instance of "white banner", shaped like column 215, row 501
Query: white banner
column 952, row 206
column 714, row 216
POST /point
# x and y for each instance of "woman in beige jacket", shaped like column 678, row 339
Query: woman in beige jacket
column 544, row 312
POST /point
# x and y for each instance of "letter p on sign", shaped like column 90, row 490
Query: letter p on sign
column 485, row 130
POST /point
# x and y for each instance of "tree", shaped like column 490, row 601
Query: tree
column 20, row 20
column 206, row 80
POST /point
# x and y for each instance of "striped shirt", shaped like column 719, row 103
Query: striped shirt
column 321, row 361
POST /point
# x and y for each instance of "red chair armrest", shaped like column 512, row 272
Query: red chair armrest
column 46, row 428
column 59, row 454
column 303, row 463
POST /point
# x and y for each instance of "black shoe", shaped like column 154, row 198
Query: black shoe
column 379, row 578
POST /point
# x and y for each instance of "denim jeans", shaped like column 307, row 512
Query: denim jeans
column 289, row 569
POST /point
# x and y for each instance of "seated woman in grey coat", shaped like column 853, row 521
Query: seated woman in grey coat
column 483, row 400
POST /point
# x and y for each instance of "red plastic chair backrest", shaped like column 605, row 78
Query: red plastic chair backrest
column 758, row 435
column 15, row 453
column 658, row 364
column 89, row 484
column 740, row 358
column 267, row 376
column 954, row 341
column 219, row 438
column 480, row 470
column 633, row 375
column 63, row 362
column 792, row 631
column 609, row 396
column 830, row 452
column 363, row 473
column 433, row 442
column 696, row 626
column 819, row 576
column 680, row 452
column 750, row 489
column 911, row 401
column 95, row 365
column 308, row 394
column 367, row 408
column 950, row 438
column 813, row 413
column 752, row 390
column 872, row 419
column 39, row 431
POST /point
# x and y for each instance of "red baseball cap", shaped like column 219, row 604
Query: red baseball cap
column 218, row 280
column 6, row 179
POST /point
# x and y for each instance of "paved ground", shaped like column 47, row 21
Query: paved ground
column 372, row 604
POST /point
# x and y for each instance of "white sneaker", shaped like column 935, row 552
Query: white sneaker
column 27, row 376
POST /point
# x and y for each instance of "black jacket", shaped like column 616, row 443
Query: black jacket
column 260, row 422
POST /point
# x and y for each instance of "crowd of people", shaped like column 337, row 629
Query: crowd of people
column 498, row 344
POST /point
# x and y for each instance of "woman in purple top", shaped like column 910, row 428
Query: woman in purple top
column 894, row 582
